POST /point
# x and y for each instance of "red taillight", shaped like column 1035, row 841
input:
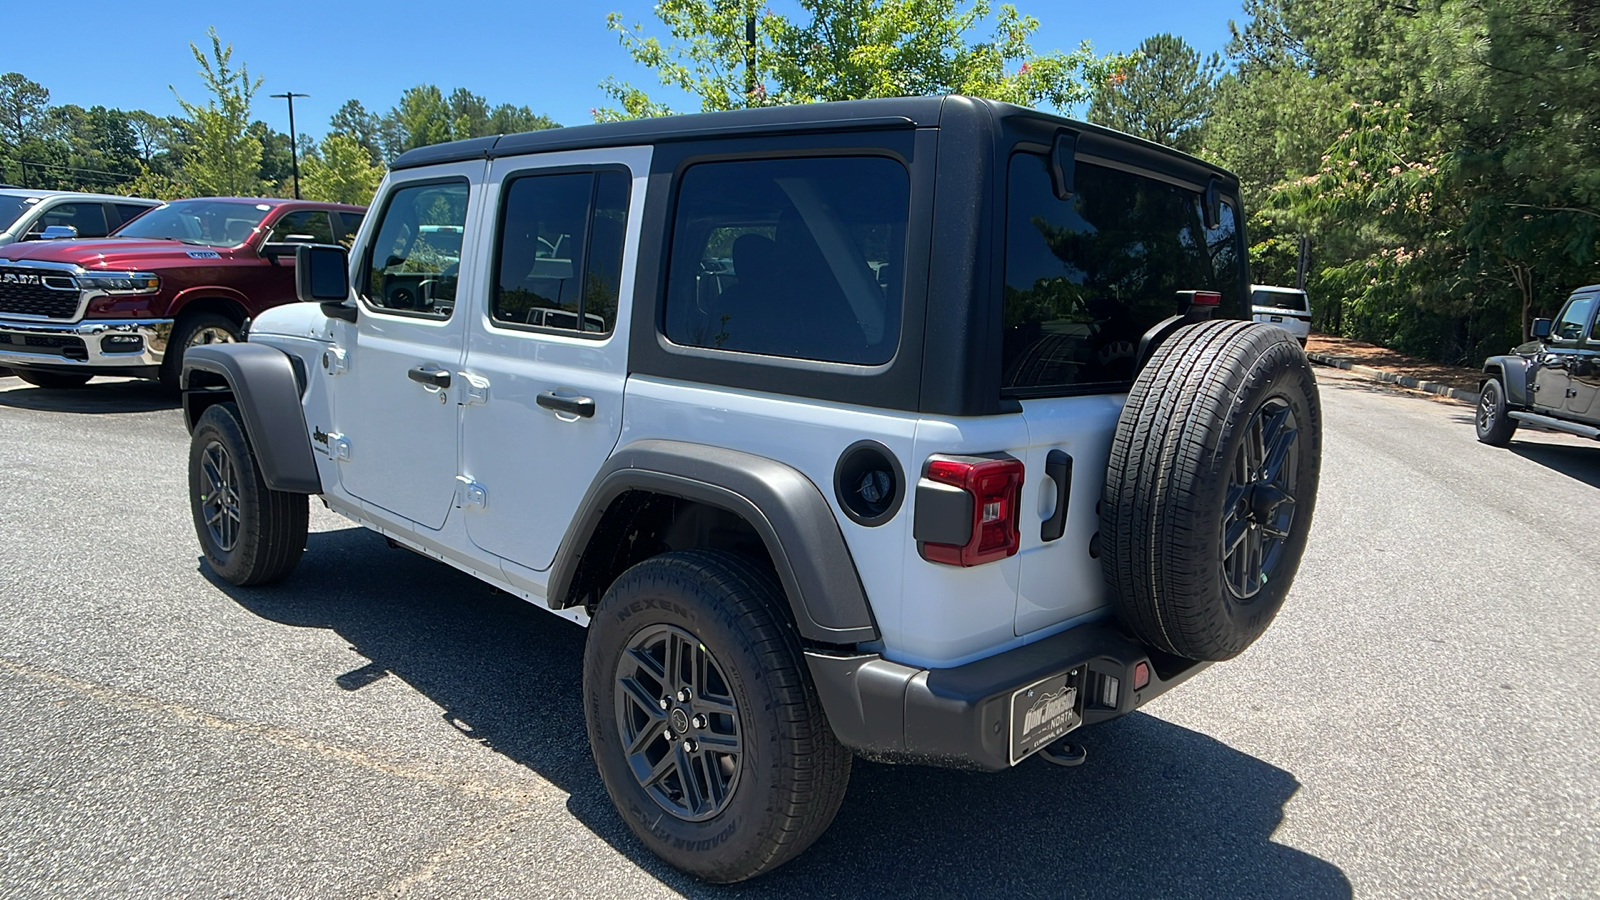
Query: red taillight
column 995, row 486
column 1141, row 675
column 1207, row 298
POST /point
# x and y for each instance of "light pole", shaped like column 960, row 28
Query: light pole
column 294, row 140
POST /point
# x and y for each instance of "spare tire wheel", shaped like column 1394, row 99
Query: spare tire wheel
column 1210, row 488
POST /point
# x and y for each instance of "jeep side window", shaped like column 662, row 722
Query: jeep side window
column 1574, row 319
column 799, row 258
column 414, row 262
column 310, row 226
column 559, row 260
column 1087, row 276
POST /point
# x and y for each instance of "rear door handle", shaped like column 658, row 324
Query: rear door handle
column 430, row 375
column 1057, row 468
column 577, row 406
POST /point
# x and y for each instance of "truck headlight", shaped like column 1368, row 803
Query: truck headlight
column 120, row 282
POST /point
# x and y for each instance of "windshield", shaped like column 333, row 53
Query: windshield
column 11, row 209
column 211, row 223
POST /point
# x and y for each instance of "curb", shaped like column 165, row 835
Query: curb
column 1416, row 384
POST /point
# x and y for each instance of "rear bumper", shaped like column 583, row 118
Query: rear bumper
column 134, row 345
column 960, row 717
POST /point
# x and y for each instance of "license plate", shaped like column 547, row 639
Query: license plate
column 1044, row 711
column 1277, row 318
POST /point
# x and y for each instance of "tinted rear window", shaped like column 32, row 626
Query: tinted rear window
column 800, row 258
column 1295, row 300
column 1087, row 276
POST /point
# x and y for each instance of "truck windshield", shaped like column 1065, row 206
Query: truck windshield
column 11, row 209
column 212, row 223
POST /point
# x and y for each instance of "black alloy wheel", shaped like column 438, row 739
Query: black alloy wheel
column 249, row 533
column 219, row 495
column 1494, row 426
column 704, row 723
column 679, row 722
column 1260, row 501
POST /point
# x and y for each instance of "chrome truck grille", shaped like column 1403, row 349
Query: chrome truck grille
column 36, row 292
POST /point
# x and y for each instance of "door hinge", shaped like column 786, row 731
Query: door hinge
column 335, row 360
column 338, row 447
column 474, row 389
column 472, row 494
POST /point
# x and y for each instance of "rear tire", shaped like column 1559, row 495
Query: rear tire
column 53, row 380
column 1494, row 424
column 765, row 775
column 193, row 330
column 1210, row 488
column 250, row 534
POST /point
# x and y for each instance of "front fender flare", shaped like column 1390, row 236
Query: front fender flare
column 267, row 392
column 785, row 508
column 1514, row 372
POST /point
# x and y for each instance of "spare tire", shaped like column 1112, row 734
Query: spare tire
column 1210, row 488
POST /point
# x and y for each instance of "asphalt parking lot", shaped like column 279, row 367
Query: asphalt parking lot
column 1420, row 722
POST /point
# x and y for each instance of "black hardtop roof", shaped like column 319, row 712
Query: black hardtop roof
column 852, row 115
column 907, row 112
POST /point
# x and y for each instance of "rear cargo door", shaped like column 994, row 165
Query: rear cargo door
column 1085, row 279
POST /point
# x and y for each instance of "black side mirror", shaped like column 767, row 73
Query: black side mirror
column 322, row 275
column 1063, row 164
column 1541, row 328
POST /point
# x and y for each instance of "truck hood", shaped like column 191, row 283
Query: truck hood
column 113, row 253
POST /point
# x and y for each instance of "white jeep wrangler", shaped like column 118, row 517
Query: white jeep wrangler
column 928, row 430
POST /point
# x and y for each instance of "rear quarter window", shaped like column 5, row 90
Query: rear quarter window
column 1086, row 277
column 797, row 258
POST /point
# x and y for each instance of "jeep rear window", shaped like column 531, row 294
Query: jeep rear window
column 798, row 258
column 1087, row 276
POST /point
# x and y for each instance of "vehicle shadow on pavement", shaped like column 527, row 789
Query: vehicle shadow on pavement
column 94, row 397
column 1576, row 462
column 1157, row 809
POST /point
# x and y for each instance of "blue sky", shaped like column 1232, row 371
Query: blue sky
column 549, row 56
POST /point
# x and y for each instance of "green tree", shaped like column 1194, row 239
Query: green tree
column 846, row 49
column 223, row 158
column 341, row 172
column 508, row 119
column 365, row 128
column 24, row 104
column 1164, row 94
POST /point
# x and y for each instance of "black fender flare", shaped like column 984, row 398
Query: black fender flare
column 787, row 511
column 1514, row 372
column 267, row 391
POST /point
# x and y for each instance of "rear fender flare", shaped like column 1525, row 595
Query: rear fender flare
column 787, row 511
column 264, row 385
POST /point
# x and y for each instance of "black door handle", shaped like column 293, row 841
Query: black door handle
column 1057, row 468
column 578, row 406
column 439, row 378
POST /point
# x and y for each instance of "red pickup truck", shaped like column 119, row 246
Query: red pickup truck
column 186, row 273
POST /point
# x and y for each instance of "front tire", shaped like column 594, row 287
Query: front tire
column 1494, row 424
column 250, row 534
column 53, row 380
column 194, row 330
column 704, row 724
